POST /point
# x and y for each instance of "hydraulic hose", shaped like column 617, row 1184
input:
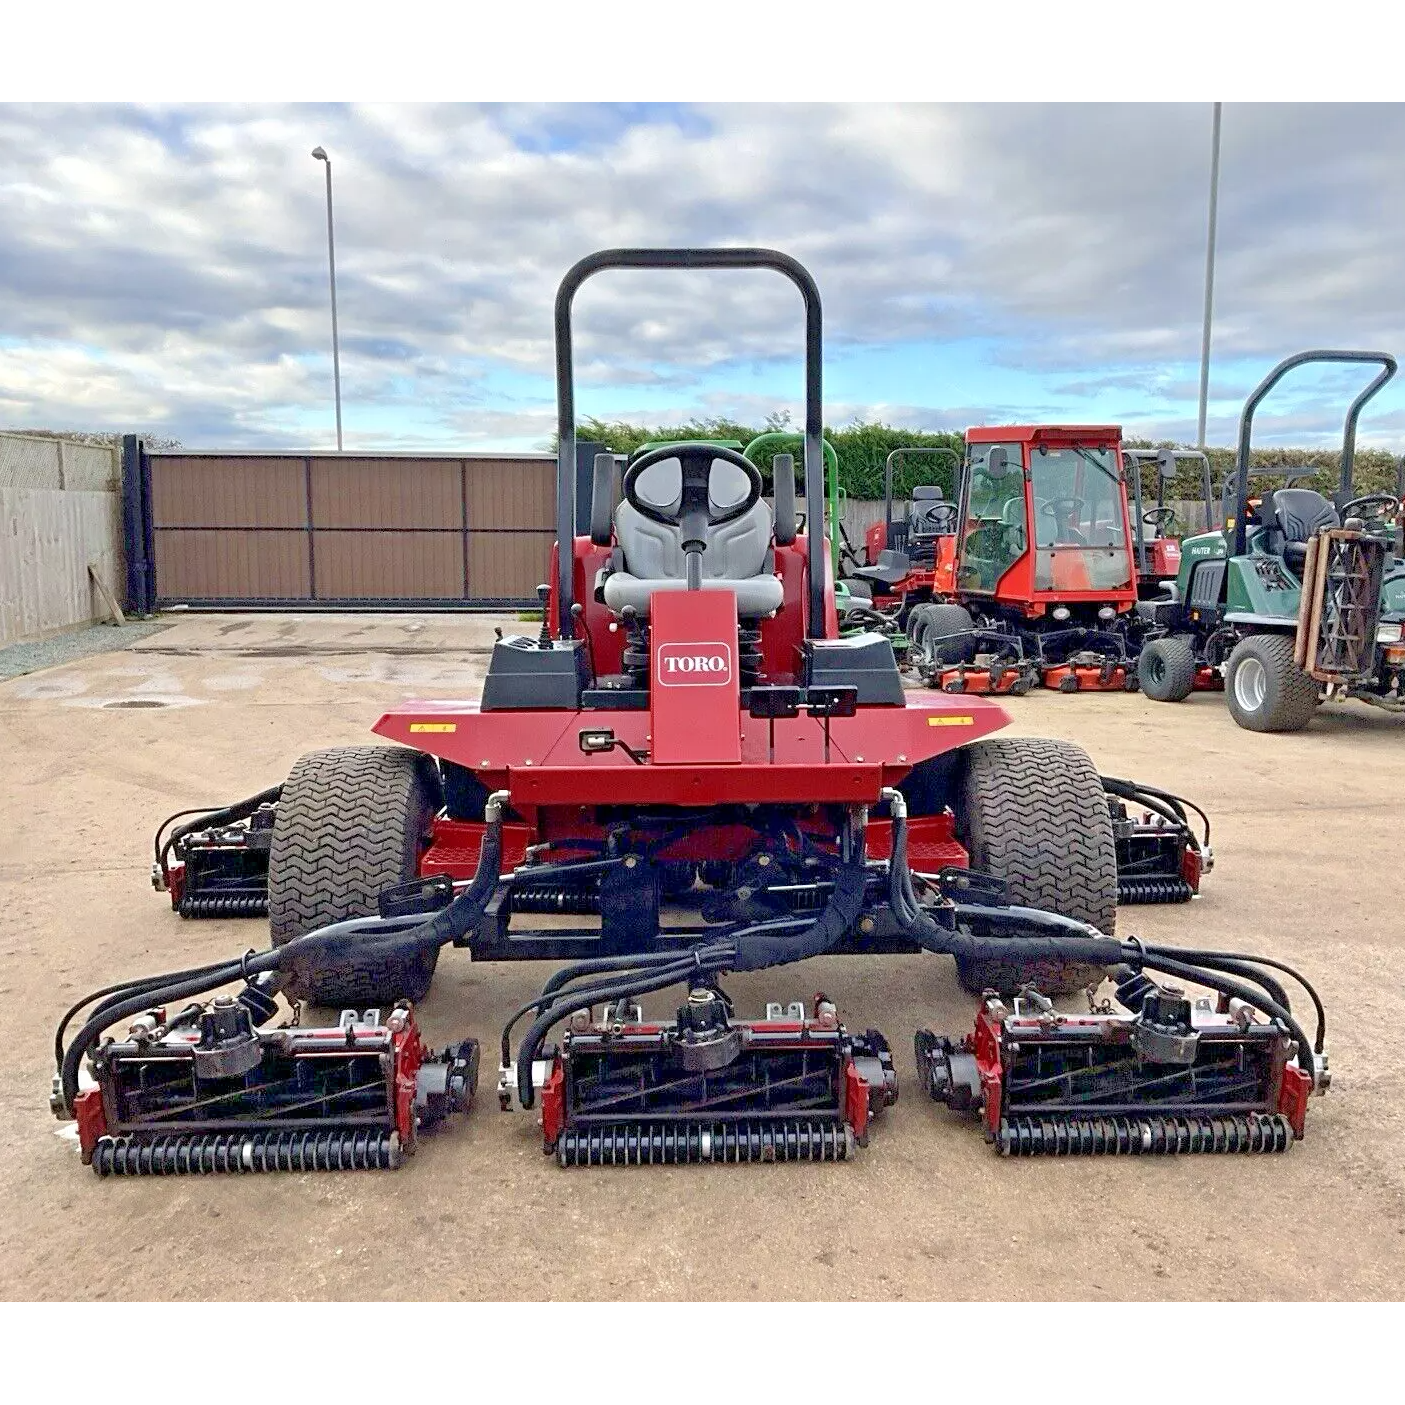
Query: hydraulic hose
column 1074, row 941
column 401, row 938
column 1188, row 971
column 1063, row 938
column 752, row 948
column 1210, row 957
column 1171, row 807
column 210, row 819
column 529, row 1050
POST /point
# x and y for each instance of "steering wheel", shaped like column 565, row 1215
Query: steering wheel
column 689, row 496
column 1159, row 517
column 1072, row 510
column 1371, row 506
column 1073, row 507
column 939, row 517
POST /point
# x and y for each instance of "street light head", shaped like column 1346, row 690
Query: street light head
column 320, row 155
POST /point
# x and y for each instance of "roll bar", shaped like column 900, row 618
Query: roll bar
column 566, row 402
column 1383, row 359
column 1166, row 459
column 888, row 476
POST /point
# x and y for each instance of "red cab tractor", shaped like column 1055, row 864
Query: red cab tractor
column 688, row 773
column 1043, row 582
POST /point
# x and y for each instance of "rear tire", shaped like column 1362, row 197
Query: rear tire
column 1166, row 669
column 1032, row 811
column 936, row 630
column 352, row 821
column 1266, row 691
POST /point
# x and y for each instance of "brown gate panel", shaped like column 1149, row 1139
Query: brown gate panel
column 339, row 529
column 507, row 493
column 389, row 566
column 382, row 493
column 507, row 565
column 245, row 565
column 228, row 492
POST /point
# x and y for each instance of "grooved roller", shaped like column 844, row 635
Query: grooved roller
column 678, row 1144
column 225, row 1153
column 1159, row 1135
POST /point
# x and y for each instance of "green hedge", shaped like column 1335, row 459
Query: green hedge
column 863, row 448
column 1375, row 469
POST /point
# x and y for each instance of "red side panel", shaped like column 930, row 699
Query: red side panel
column 944, row 572
column 874, row 541
column 1164, row 558
column 1293, row 1094
column 696, row 695
column 92, row 1121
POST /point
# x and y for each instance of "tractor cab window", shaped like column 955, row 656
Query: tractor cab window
column 1080, row 533
column 993, row 516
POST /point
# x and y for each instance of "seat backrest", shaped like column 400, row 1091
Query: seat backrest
column 736, row 550
column 1295, row 514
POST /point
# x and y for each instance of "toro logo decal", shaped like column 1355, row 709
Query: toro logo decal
column 694, row 665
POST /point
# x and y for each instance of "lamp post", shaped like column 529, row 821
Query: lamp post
column 1209, row 275
column 319, row 154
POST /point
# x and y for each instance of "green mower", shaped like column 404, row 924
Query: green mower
column 1298, row 600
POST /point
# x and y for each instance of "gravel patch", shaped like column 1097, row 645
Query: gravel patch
column 19, row 659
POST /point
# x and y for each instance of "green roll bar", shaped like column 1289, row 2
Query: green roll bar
column 772, row 439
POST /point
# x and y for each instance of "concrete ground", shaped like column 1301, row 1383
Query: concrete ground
column 99, row 750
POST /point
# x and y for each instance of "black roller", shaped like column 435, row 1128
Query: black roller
column 727, row 1143
column 1157, row 1135
column 226, row 1153
column 224, row 905
column 1146, row 891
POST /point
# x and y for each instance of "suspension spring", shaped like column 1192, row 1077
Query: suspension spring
column 749, row 658
column 1162, row 1134
column 224, row 1153
column 549, row 897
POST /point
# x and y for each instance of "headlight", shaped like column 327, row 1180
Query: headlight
column 1390, row 633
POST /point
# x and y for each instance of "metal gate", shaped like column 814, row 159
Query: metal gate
column 336, row 530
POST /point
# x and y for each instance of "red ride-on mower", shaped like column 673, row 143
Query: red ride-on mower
column 1158, row 549
column 1042, row 585
column 688, row 773
column 903, row 554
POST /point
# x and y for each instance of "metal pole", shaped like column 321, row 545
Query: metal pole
column 320, row 155
column 1209, row 275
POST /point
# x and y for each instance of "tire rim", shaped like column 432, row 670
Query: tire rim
column 1250, row 684
column 1155, row 668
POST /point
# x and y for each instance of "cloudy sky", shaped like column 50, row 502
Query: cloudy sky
column 164, row 269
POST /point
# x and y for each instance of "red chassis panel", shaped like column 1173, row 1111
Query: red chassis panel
column 537, row 756
column 454, row 846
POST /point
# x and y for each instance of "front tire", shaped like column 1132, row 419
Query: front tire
column 1266, row 691
column 940, row 635
column 1166, row 669
column 352, row 821
column 1033, row 811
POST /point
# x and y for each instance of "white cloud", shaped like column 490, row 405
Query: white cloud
column 167, row 266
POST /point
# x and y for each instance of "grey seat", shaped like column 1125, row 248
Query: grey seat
column 738, row 557
column 1293, row 516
